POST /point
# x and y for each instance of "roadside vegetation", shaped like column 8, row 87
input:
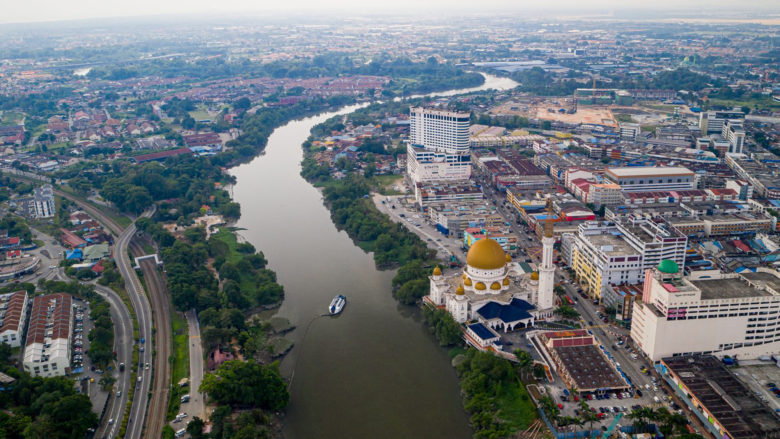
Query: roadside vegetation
column 42, row 407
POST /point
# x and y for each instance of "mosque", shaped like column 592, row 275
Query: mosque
column 495, row 291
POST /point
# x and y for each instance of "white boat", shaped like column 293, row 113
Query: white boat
column 337, row 304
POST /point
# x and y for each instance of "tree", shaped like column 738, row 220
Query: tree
column 525, row 362
column 195, row 428
column 587, row 414
column 242, row 104
column 247, row 384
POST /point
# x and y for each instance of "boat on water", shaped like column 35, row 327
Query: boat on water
column 337, row 304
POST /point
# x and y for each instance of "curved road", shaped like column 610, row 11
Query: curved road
column 123, row 345
column 143, row 313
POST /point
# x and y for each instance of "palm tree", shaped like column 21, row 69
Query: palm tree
column 640, row 417
column 587, row 415
column 524, row 361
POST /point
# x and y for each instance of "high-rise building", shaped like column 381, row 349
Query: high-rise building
column 734, row 133
column 619, row 252
column 711, row 122
column 438, row 145
column 708, row 312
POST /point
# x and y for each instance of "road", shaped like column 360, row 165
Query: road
column 196, row 406
column 143, row 313
column 138, row 300
column 123, row 345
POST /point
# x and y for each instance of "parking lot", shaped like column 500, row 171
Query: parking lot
column 85, row 374
column 757, row 378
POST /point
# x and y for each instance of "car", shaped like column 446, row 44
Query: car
column 141, row 349
column 118, row 393
column 91, row 380
column 147, row 366
column 111, row 421
column 589, row 396
column 638, row 393
column 140, row 377
column 181, row 432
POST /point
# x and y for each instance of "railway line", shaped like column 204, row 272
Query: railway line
column 150, row 402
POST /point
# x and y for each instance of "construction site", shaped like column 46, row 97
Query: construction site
column 564, row 110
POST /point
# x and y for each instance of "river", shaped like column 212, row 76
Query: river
column 373, row 371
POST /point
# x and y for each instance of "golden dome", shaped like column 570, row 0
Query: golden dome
column 460, row 291
column 437, row 271
column 508, row 258
column 467, row 282
column 495, row 286
column 486, row 254
column 480, row 286
column 464, row 276
column 506, row 281
column 535, row 275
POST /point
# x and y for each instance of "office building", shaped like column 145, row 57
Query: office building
column 438, row 146
column 646, row 178
column 47, row 347
column 629, row 131
column 711, row 122
column 721, row 314
column 734, row 133
column 618, row 253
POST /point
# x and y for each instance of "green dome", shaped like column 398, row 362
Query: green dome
column 668, row 266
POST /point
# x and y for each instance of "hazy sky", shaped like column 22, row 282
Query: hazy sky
column 20, row 11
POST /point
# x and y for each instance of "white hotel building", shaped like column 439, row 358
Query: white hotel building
column 438, row 146
column 708, row 312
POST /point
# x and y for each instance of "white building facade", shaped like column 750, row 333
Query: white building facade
column 438, row 146
column 648, row 178
column 13, row 313
column 48, row 345
column 709, row 312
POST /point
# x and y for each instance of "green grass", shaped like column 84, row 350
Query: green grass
column 384, row 183
column 201, row 113
column 11, row 118
column 620, row 117
column 515, row 407
column 180, row 362
column 229, row 237
column 765, row 102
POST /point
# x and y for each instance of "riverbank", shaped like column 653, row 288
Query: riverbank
column 499, row 405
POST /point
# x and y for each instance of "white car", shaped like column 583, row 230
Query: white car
column 111, row 421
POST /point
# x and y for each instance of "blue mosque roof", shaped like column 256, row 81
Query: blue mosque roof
column 482, row 331
column 516, row 310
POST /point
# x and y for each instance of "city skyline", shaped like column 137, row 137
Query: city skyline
column 52, row 11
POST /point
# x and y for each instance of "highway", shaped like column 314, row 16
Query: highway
column 123, row 345
column 143, row 313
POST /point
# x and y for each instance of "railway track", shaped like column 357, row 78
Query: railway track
column 158, row 298
column 151, row 416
